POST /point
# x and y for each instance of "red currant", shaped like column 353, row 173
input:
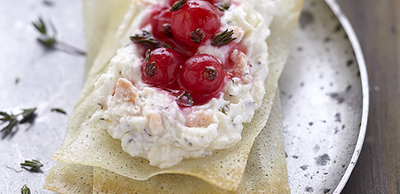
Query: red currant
column 195, row 22
column 202, row 74
column 161, row 67
column 171, row 2
column 161, row 22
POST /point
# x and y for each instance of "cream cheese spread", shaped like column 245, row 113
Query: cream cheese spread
column 148, row 120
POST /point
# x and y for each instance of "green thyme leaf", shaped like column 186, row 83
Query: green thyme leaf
column 27, row 114
column 167, row 46
column 5, row 116
column 58, row 110
column 46, row 40
column 49, row 41
column 146, row 39
column 25, row 190
column 11, row 124
column 11, row 119
column 34, row 165
column 223, row 6
column 223, row 38
column 40, row 26
column 177, row 5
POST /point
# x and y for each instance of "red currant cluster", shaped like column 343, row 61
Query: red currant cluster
column 171, row 62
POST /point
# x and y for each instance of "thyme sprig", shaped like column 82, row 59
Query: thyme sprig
column 148, row 41
column 47, row 40
column 223, row 6
column 25, row 190
column 12, row 119
column 177, row 5
column 59, row 110
column 34, row 165
column 27, row 114
column 167, row 45
column 50, row 41
column 223, row 38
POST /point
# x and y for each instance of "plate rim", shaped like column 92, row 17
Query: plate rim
column 344, row 21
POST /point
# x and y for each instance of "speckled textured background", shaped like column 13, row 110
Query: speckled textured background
column 322, row 102
column 320, row 91
column 47, row 79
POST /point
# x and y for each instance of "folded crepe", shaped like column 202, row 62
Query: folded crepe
column 265, row 171
column 93, row 150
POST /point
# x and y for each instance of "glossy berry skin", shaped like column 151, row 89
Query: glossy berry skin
column 202, row 74
column 161, row 22
column 195, row 22
column 161, row 67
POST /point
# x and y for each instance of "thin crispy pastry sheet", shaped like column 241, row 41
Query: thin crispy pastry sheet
column 86, row 145
column 70, row 179
column 265, row 171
